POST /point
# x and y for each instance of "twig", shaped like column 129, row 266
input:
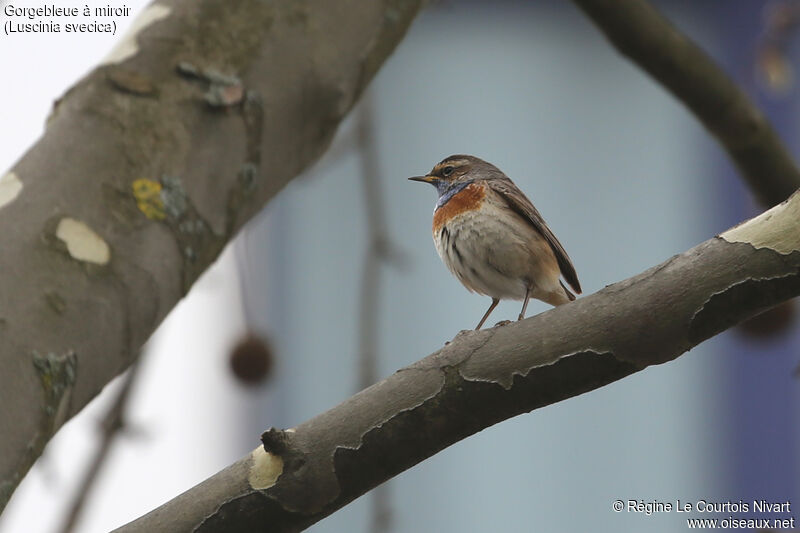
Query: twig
column 642, row 34
column 112, row 425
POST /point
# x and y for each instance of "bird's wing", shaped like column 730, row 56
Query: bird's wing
column 520, row 204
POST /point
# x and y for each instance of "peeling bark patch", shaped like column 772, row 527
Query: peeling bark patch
column 483, row 369
column 388, row 447
column 774, row 229
column 434, row 380
column 566, row 378
column 265, row 470
column 462, row 408
column 131, row 81
column 519, row 358
column 311, row 481
column 128, row 47
column 82, row 243
column 253, row 512
column 760, row 294
column 10, row 185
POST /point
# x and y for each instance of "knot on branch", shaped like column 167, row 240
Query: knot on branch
column 281, row 443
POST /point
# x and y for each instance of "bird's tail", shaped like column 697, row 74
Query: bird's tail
column 562, row 297
column 558, row 296
column 569, row 295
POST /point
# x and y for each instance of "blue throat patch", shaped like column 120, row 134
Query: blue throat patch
column 446, row 193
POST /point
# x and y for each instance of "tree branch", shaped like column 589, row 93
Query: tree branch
column 303, row 474
column 147, row 167
column 642, row 34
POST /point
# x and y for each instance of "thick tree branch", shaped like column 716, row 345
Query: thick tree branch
column 642, row 34
column 483, row 377
column 147, row 167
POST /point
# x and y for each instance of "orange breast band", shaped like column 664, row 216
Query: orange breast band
column 468, row 199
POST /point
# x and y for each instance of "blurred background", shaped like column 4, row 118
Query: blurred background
column 622, row 173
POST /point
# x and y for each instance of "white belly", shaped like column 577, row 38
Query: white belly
column 494, row 255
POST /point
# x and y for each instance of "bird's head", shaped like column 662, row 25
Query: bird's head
column 456, row 172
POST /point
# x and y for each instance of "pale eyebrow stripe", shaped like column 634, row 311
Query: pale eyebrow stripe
column 451, row 162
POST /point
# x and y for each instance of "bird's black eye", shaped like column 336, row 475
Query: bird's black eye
column 446, row 171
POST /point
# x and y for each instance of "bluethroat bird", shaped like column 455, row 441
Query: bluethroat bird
column 492, row 238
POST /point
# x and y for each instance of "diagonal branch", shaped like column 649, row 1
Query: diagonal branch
column 146, row 169
column 642, row 34
column 483, row 377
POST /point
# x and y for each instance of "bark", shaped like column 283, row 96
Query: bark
column 642, row 34
column 303, row 474
column 147, row 167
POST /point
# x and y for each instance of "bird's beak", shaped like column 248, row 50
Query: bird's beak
column 424, row 179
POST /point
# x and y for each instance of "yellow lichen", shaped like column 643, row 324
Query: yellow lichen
column 148, row 198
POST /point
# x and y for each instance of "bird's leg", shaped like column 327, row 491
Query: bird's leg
column 525, row 304
column 495, row 301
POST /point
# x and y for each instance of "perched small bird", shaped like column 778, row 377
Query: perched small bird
column 492, row 239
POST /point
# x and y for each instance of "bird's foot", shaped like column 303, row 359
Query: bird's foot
column 502, row 323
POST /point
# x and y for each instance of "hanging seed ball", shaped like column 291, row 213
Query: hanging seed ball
column 251, row 360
